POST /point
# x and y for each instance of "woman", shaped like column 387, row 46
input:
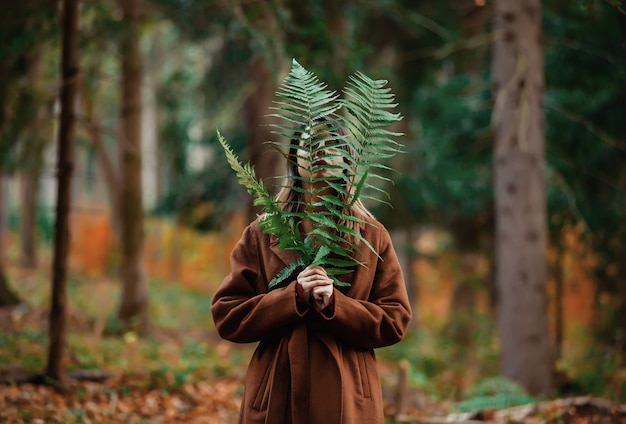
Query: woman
column 315, row 362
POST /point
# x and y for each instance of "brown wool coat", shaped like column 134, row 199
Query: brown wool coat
column 310, row 368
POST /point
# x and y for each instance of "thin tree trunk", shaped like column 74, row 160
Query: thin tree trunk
column 58, row 307
column 520, row 195
column 403, row 239
column 28, row 219
column 110, row 173
column 35, row 139
column 467, row 231
column 7, row 297
column 559, row 281
column 133, row 311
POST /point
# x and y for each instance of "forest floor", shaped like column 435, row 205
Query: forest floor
column 136, row 399
column 184, row 373
column 141, row 392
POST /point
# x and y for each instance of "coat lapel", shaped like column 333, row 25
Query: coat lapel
column 285, row 256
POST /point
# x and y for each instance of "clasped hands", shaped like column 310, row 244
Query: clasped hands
column 316, row 285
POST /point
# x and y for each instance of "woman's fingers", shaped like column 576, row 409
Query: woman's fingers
column 321, row 295
column 313, row 271
column 320, row 292
column 312, row 277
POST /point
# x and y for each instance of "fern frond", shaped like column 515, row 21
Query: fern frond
column 246, row 176
column 302, row 102
column 286, row 272
column 368, row 102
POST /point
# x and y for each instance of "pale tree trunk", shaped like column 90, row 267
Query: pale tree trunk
column 133, row 311
column 35, row 138
column 520, row 195
column 28, row 219
column 7, row 297
column 69, row 82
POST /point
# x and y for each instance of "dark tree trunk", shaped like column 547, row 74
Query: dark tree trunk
column 69, row 83
column 262, row 77
column 133, row 311
column 256, row 108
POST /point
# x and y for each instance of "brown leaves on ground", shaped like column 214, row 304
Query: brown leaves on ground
column 575, row 410
column 123, row 399
column 139, row 399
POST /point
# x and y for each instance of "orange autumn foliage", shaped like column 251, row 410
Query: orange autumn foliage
column 172, row 253
column 201, row 260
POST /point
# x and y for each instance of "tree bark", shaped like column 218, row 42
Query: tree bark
column 256, row 108
column 520, row 195
column 58, row 307
column 262, row 78
column 133, row 311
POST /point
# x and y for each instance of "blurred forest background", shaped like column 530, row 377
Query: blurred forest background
column 154, row 208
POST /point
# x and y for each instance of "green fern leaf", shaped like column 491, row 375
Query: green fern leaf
column 302, row 100
column 286, row 272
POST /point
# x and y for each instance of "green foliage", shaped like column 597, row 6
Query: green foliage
column 200, row 191
column 493, row 393
column 310, row 112
column 585, row 145
column 29, row 30
column 451, row 176
column 438, row 364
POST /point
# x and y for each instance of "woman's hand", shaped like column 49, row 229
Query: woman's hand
column 321, row 296
column 315, row 283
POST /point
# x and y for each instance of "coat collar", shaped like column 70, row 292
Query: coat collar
column 286, row 256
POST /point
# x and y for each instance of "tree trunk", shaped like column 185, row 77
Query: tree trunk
column 559, row 283
column 467, row 231
column 133, row 311
column 35, row 139
column 109, row 172
column 7, row 297
column 69, row 82
column 520, row 195
column 256, row 108
column 403, row 239
column 262, row 77
column 28, row 219
column 336, row 19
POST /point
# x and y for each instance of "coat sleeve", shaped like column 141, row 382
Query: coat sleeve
column 242, row 309
column 383, row 318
